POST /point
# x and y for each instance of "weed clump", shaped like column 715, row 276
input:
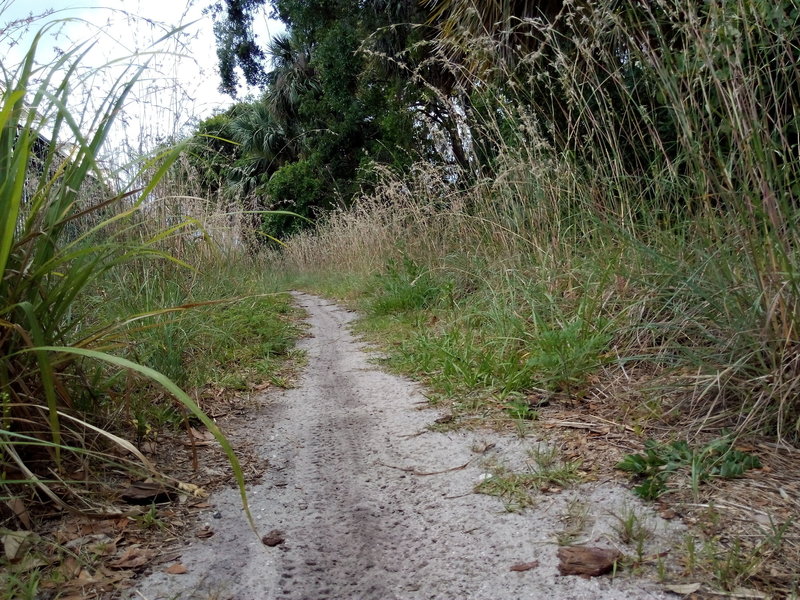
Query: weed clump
column 405, row 286
column 660, row 461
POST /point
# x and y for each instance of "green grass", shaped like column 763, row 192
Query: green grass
column 64, row 227
column 633, row 530
column 20, row 586
column 238, row 330
column 546, row 471
column 460, row 338
column 575, row 520
column 405, row 287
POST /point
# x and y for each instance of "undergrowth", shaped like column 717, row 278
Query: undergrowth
column 237, row 333
column 659, row 461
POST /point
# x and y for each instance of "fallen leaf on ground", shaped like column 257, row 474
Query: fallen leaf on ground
column 69, row 567
column 683, row 589
column 585, row 561
column 167, row 558
column 149, row 447
column 176, row 569
column 85, row 577
column 525, row 566
column 132, row 558
column 93, row 538
column 204, row 533
column 29, row 562
column 273, row 538
column 748, row 594
column 144, row 492
column 199, row 438
column 106, row 547
column 17, row 506
column 14, row 543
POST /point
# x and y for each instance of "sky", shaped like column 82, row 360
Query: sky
column 180, row 86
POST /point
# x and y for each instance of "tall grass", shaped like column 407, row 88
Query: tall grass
column 66, row 227
column 630, row 228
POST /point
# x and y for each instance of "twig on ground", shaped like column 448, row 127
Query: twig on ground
column 414, row 471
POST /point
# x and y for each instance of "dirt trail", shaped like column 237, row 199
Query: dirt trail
column 357, row 525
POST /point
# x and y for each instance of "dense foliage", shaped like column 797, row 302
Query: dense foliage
column 348, row 86
column 326, row 113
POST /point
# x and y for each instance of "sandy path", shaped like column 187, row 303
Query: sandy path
column 358, row 526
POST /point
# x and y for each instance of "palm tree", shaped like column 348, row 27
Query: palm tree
column 262, row 150
column 259, row 135
column 291, row 78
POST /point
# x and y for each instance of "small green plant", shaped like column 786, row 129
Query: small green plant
column 551, row 469
column 574, row 519
column 631, row 527
column 20, row 586
column 517, row 488
column 521, row 409
column 690, row 553
column 775, row 535
column 659, row 461
column 730, row 562
column 633, row 531
column 563, row 356
column 661, row 569
column 151, row 519
column 734, row 565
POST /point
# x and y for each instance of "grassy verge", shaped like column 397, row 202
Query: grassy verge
column 614, row 342
column 222, row 354
column 235, row 330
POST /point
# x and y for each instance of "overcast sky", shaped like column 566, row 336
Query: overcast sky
column 180, row 87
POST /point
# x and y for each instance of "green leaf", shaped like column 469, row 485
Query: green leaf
column 651, row 488
column 179, row 394
column 634, row 463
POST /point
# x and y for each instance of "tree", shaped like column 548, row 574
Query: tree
column 292, row 77
column 212, row 151
column 236, row 43
column 343, row 90
column 508, row 25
